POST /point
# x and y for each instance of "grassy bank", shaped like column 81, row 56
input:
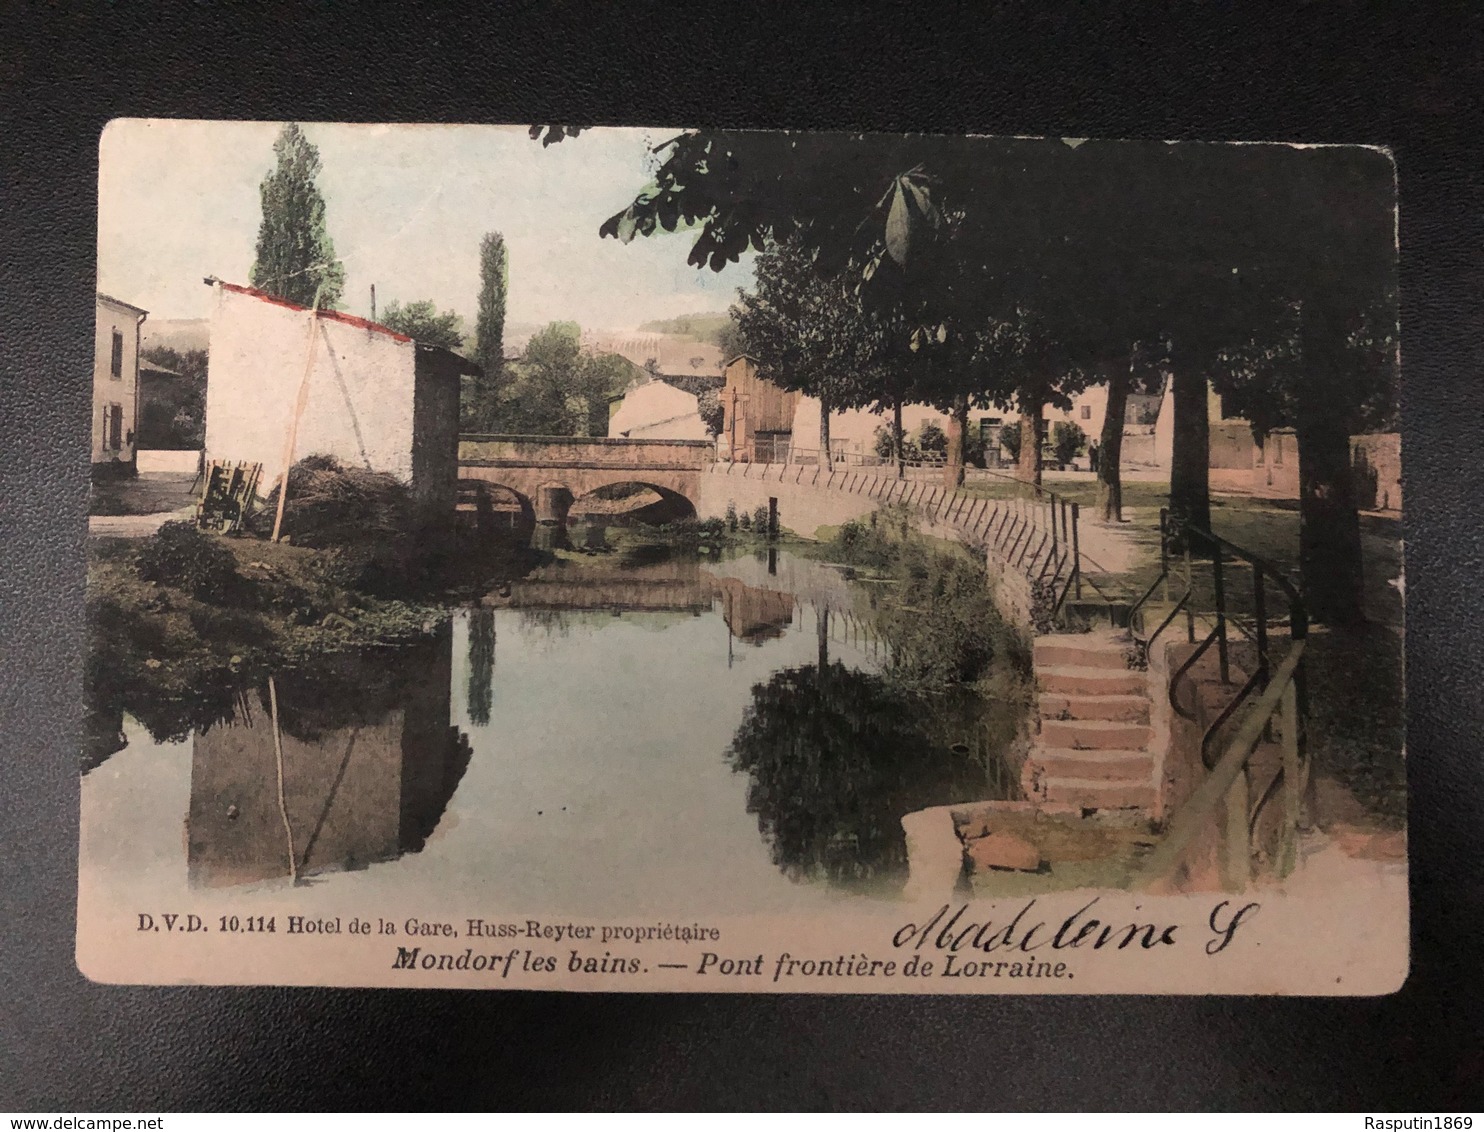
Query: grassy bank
column 171, row 653
column 931, row 600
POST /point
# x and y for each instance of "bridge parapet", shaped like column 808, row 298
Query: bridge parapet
column 584, row 452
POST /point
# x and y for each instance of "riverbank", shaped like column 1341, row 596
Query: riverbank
column 182, row 620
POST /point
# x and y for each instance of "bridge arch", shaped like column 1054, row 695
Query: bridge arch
column 658, row 503
column 552, row 471
column 488, row 505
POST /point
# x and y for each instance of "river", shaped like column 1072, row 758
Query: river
column 643, row 730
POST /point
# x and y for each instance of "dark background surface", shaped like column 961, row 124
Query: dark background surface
column 1410, row 80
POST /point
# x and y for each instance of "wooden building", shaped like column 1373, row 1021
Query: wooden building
column 757, row 416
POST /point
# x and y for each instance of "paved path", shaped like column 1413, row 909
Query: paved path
column 133, row 526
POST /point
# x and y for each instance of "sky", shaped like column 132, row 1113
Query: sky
column 406, row 207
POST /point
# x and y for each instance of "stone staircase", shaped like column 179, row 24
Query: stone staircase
column 1093, row 751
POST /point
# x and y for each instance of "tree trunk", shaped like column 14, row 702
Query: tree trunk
column 1110, row 444
column 958, row 431
column 1190, row 459
column 1330, row 562
column 896, row 439
column 824, row 434
column 1031, row 426
column 822, row 627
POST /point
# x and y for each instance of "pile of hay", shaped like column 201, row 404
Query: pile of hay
column 330, row 505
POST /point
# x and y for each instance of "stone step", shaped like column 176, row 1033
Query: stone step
column 1059, row 705
column 1095, row 734
column 1096, row 611
column 1088, row 650
column 1081, row 680
column 1097, row 793
column 1068, row 762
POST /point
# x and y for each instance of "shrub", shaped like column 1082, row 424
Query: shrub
column 1010, row 439
column 911, row 450
column 731, row 516
column 932, row 440
column 1067, row 439
column 881, row 442
column 180, row 555
column 760, row 520
column 862, row 544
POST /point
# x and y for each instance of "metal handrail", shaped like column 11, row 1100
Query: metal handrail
column 1270, row 686
column 1226, row 780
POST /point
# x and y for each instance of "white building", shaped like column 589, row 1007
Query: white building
column 658, row 411
column 373, row 398
column 666, row 407
column 116, row 384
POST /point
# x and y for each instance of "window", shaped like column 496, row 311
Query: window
column 1087, row 412
column 115, row 428
column 116, row 366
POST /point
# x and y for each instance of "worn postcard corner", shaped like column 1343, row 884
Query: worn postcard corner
column 690, row 560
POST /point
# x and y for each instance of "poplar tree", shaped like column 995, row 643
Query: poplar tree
column 482, row 412
column 295, row 257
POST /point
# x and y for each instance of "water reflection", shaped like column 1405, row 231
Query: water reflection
column 683, row 727
column 835, row 757
column 481, row 695
column 335, row 767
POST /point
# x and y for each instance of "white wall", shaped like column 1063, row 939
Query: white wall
column 177, row 461
column 360, row 402
column 108, row 390
column 1088, row 410
column 658, row 411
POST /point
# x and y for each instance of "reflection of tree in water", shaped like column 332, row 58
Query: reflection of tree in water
column 481, row 665
column 836, row 760
column 645, row 554
column 170, row 700
column 544, row 623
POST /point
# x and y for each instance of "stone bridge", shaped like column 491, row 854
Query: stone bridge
column 1026, row 541
column 547, row 473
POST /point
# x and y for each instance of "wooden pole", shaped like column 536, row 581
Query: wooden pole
column 283, row 809
column 293, row 435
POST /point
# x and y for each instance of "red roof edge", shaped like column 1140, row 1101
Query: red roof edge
column 333, row 316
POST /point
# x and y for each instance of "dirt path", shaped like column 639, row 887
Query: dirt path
column 132, row 526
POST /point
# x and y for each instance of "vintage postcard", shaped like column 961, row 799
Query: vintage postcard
column 696, row 560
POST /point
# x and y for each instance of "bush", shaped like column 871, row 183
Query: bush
column 180, row 555
column 861, row 544
column 911, row 451
column 1010, row 440
column 1067, row 439
column 932, row 440
column 881, row 442
column 731, row 519
column 701, row 530
column 760, row 522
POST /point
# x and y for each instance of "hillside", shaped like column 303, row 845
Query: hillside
column 702, row 327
